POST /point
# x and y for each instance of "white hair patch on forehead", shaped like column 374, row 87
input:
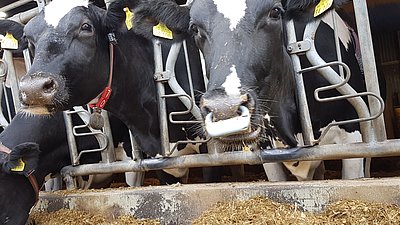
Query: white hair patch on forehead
column 233, row 10
column 232, row 83
column 57, row 9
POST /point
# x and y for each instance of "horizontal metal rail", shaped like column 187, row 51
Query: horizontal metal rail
column 24, row 17
column 14, row 5
column 320, row 152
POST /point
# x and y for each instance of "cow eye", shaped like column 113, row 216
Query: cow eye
column 86, row 27
column 275, row 13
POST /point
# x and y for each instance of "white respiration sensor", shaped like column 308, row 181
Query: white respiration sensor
column 230, row 126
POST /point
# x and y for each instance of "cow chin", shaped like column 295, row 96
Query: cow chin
column 242, row 141
column 37, row 110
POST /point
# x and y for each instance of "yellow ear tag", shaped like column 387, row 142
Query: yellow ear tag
column 322, row 6
column 161, row 30
column 128, row 19
column 20, row 167
column 9, row 42
column 245, row 148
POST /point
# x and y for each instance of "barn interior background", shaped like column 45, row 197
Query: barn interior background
column 386, row 38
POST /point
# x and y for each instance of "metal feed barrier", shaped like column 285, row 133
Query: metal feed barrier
column 370, row 118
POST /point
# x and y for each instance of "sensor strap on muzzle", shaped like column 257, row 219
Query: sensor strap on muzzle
column 230, row 126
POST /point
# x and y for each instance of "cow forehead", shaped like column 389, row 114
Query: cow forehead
column 233, row 10
column 57, row 9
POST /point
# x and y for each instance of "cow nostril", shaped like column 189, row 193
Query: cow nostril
column 247, row 101
column 205, row 110
column 49, row 85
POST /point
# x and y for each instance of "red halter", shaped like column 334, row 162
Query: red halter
column 106, row 93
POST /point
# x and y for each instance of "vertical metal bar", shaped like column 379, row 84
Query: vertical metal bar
column 136, row 153
column 203, row 67
column 27, row 59
column 308, row 134
column 73, row 150
column 108, row 154
column 162, row 106
column 337, row 43
column 12, row 78
column 368, row 58
column 173, row 83
column 6, row 99
column 189, row 71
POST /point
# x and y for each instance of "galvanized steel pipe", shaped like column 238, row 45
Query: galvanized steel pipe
column 319, row 152
column 368, row 58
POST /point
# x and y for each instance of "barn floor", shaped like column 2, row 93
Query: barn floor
column 180, row 204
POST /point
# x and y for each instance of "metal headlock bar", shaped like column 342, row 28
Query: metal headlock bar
column 167, row 76
column 338, row 82
column 72, row 132
column 319, row 152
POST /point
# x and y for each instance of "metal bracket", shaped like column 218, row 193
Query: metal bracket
column 162, row 76
column 299, row 47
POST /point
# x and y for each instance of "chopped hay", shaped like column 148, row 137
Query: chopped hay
column 73, row 217
column 264, row 211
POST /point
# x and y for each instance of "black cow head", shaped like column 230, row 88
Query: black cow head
column 22, row 159
column 71, row 56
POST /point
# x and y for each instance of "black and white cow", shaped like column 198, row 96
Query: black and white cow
column 71, row 67
column 23, row 137
column 250, row 71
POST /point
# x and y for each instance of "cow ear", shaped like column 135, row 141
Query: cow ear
column 10, row 29
column 23, row 159
column 149, row 13
column 115, row 16
column 305, row 8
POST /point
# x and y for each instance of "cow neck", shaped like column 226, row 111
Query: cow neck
column 101, row 100
column 32, row 179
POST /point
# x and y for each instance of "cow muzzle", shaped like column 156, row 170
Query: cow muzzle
column 38, row 92
column 229, row 117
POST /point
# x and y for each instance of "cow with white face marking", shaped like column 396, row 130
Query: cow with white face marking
column 251, row 90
